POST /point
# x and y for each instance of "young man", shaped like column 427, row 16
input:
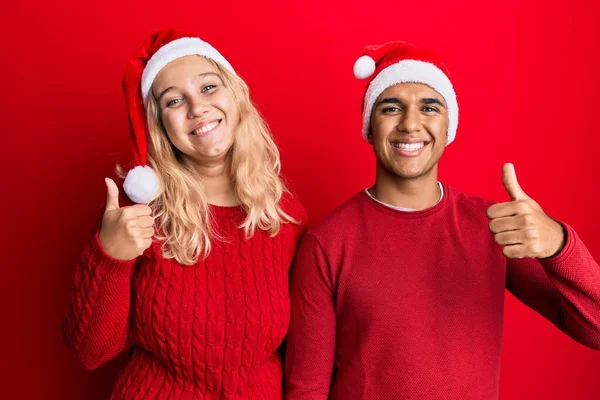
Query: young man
column 399, row 292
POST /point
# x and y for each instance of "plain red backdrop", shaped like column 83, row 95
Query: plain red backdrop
column 527, row 81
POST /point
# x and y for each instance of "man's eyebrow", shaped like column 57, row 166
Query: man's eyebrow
column 203, row 75
column 432, row 100
column 389, row 100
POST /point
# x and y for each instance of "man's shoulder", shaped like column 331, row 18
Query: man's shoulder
column 340, row 219
column 466, row 203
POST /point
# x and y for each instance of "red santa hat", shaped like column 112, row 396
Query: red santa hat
column 162, row 47
column 399, row 62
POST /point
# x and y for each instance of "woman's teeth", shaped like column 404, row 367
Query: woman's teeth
column 409, row 146
column 205, row 128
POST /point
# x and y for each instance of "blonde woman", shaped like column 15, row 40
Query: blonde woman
column 193, row 279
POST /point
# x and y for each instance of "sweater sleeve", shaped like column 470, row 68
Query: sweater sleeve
column 564, row 288
column 311, row 339
column 96, row 324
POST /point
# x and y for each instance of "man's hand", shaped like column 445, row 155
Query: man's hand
column 521, row 226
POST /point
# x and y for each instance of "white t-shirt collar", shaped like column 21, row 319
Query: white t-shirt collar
column 402, row 208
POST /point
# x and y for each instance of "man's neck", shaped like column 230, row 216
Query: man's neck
column 414, row 193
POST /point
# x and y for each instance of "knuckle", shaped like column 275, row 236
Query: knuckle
column 131, row 227
column 144, row 209
column 145, row 244
column 139, row 245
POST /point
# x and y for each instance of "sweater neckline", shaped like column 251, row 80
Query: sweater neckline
column 408, row 214
column 226, row 211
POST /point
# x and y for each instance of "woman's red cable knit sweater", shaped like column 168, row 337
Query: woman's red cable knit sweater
column 207, row 331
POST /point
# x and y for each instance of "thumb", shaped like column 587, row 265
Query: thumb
column 511, row 184
column 112, row 195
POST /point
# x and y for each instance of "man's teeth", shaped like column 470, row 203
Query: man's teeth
column 409, row 146
column 206, row 128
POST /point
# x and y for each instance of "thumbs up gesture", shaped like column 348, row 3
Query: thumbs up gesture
column 126, row 232
column 521, row 226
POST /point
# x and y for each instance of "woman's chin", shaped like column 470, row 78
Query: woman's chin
column 211, row 155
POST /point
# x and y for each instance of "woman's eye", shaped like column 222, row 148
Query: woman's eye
column 208, row 88
column 173, row 102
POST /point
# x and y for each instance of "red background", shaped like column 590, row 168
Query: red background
column 527, row 81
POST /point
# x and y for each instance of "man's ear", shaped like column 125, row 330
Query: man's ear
column 370, row 137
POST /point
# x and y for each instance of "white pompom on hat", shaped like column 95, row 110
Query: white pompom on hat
column 364, row 67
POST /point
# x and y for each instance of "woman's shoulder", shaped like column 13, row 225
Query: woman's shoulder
column 290, row 203
column 292, row 206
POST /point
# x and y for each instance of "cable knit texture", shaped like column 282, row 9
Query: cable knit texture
column 389, row 304
column 208, row 331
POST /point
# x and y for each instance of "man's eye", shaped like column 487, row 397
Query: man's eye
column 429, row 109
column 391, row 109
column 173, row 102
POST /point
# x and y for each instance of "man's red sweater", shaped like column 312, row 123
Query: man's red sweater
column 389, row 304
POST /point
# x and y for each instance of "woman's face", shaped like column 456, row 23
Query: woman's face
column 199, row 113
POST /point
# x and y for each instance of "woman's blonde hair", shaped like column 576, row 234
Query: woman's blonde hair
column 181, row 210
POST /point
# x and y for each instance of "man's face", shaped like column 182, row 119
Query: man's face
column 409, row 125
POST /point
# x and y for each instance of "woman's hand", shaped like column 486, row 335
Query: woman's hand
column 126, row 232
